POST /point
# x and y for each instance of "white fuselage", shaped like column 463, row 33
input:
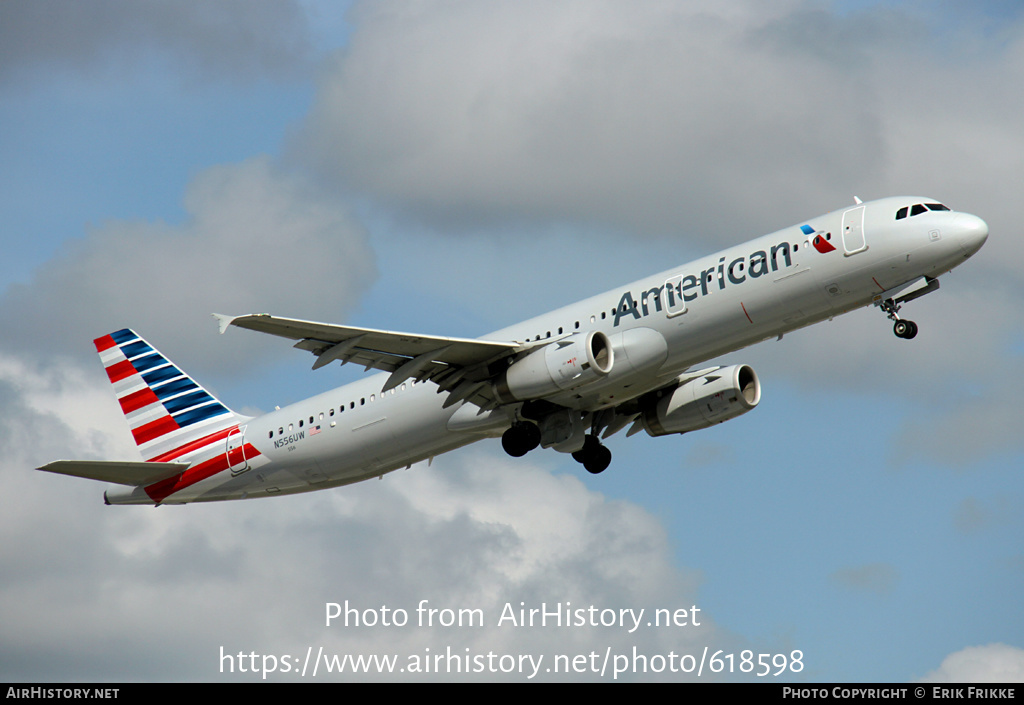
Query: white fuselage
column 659, row 327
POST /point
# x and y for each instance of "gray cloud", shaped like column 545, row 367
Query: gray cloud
column 974, row 516
column 878, row 578
column 712, row 124
column 660, row 117
column 230, row 37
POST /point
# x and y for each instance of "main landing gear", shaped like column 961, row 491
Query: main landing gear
column 520, row 439
column 594, row 456
column 524, row 436
column 902, row 329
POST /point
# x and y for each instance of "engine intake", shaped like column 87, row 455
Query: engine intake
column 705, row 401
column 564, row 364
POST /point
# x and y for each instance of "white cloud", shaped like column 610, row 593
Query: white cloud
column 143, row 594
column 256, row 240
column 140, row 594
column 992, row 663
column 64, row 397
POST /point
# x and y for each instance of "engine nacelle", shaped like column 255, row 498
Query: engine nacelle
column 705, row 401
column 565, row 364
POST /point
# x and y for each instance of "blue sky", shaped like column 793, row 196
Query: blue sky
column 452, row 168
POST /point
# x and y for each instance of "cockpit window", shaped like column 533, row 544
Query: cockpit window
column 918, row 209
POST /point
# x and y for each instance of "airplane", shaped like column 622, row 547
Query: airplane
column 566, row 380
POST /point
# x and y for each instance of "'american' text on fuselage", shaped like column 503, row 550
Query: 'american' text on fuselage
column 681, row 289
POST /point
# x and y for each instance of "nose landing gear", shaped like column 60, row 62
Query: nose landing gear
column 902, row 328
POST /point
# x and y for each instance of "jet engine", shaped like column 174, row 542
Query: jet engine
column 564, row 364
column 704, row 401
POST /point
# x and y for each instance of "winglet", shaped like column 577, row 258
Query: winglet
column 224, row 321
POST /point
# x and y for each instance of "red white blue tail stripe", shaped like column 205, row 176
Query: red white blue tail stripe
column 164, row 407
column 171, row 417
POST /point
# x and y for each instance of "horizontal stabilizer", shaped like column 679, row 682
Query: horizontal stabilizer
column 120, row 473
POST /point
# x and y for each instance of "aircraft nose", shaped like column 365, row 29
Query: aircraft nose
column 971, row 232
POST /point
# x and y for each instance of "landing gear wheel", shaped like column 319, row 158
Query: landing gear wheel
column 520, row 439
column 595, row 457
column 599, row 462
column 590, row 445
column 904, row 329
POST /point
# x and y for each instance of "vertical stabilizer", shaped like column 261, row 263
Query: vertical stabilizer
column 170, row 415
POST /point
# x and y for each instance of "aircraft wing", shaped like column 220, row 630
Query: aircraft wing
column 459, row 366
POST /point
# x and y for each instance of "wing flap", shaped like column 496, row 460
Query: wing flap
column 445, row 360
column 119, row 473
column 453, row 351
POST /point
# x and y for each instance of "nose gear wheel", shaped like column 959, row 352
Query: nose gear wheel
column 902, row 328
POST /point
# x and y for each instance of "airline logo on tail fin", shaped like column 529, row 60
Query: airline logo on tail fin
column 165, row 408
